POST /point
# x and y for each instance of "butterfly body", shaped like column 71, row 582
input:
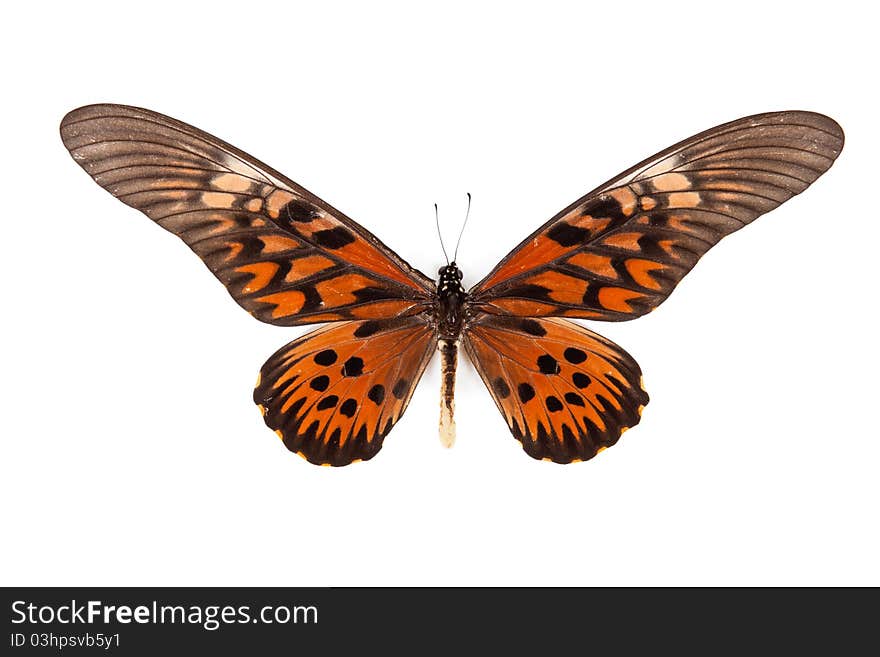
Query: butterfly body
column 289, row 258
column 451, row 311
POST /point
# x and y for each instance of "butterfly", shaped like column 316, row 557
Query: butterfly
column 289, row 258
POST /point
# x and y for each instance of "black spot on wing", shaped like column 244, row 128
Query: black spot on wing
column 326, row 357
column 354, row 366
column 526, row 392
column 567, row 235
column 333, row 238
column 605, row 206
column 374, row 294
column 532, row 327
column 547, row 364
column 574, row 399
column 580, row 379
column 348, row 407
column 320, row 383
column 400, row 388
column 377, row 394
column 574, row 355
column 367, row 329
column 501, row 388
column 299, row 212
column 553, row 404
column 327, row 402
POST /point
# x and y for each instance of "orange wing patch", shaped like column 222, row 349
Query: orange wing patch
column 617, row 298
column 640, row 270
column 262, row 272
column 335, row 393
column 600, row 265
column 564, row 391
column 308, row 266
column 285, row 304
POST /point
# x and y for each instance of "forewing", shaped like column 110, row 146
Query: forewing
column 619, row 251
column 334, row 394
column 565, row 392
column 283, row 254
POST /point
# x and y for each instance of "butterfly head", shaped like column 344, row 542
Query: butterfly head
column 450, row 280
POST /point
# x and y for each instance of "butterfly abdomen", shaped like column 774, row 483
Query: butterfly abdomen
column 448, row 361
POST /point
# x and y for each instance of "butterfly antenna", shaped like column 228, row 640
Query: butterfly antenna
column 461, row 232
column 439, row 234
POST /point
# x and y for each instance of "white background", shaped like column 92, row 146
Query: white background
column 132, row 453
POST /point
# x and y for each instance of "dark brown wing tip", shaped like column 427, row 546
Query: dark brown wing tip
column 818, row 121
column 67, row 130
column 806, row 118
column 102, row 109
column 815, row 119
column 91, row 111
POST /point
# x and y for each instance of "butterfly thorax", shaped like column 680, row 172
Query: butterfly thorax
column 451, row 302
